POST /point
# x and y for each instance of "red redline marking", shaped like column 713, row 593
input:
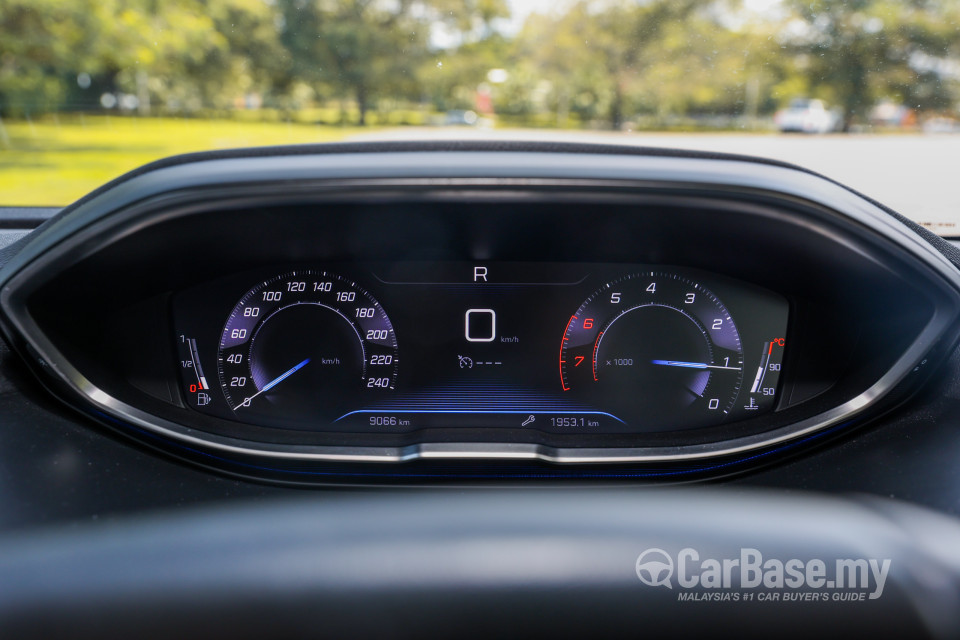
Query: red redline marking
column 563, row 384
column 771, row 348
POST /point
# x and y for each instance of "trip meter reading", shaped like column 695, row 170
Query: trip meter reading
column 656, row 349
column 297, row 347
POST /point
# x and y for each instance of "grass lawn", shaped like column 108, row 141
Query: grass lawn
column 54, row 161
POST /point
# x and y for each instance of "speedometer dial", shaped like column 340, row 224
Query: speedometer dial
column 657, row 349
column 298, row 349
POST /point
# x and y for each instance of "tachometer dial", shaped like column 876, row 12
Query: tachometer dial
column 298, row 348
column 658, row 350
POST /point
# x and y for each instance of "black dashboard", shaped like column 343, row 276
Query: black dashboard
column 550, row 325
column 496, row 317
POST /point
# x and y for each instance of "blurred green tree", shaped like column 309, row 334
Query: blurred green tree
column 592, row 61
column 185, row 54
column 42, row 42
column 367, row 49
column 855, row 52
column 597, row 54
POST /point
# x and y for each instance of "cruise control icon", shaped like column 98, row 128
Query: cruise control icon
column 655, row 568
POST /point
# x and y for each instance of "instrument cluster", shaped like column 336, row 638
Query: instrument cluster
column 520, row 315
column 556, row 347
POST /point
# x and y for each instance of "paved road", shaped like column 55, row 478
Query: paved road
column 917, row 175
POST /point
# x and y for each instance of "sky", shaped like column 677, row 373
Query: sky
column 443, row 38
column 520, row 9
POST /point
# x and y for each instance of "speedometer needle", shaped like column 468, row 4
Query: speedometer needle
column 692, row 365
column 270, row 385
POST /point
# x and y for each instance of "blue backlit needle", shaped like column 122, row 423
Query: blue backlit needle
column 270, row 385
column 692, row 365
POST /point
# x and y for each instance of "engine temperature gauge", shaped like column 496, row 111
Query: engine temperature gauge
column 764, row 386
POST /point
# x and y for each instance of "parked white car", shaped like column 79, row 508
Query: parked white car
column 808, row 116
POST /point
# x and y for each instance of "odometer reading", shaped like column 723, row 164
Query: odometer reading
column 298, row 349
column 656, row 349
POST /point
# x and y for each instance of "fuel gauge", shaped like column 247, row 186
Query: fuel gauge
column 196, row 390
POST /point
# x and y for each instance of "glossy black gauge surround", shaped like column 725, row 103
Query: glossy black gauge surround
column 658, row 349
column 298, row 348
column 873, row 308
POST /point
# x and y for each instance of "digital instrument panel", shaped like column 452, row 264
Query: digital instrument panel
column 570, row 348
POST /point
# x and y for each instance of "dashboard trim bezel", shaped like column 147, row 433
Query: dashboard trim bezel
column 126, row 218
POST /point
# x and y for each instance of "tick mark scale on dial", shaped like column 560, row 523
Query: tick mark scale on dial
column 692, row 365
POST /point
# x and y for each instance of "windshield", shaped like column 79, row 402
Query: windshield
column 864, row 91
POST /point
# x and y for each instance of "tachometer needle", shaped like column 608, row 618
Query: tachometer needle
column 692, row 365
column 270, row 385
